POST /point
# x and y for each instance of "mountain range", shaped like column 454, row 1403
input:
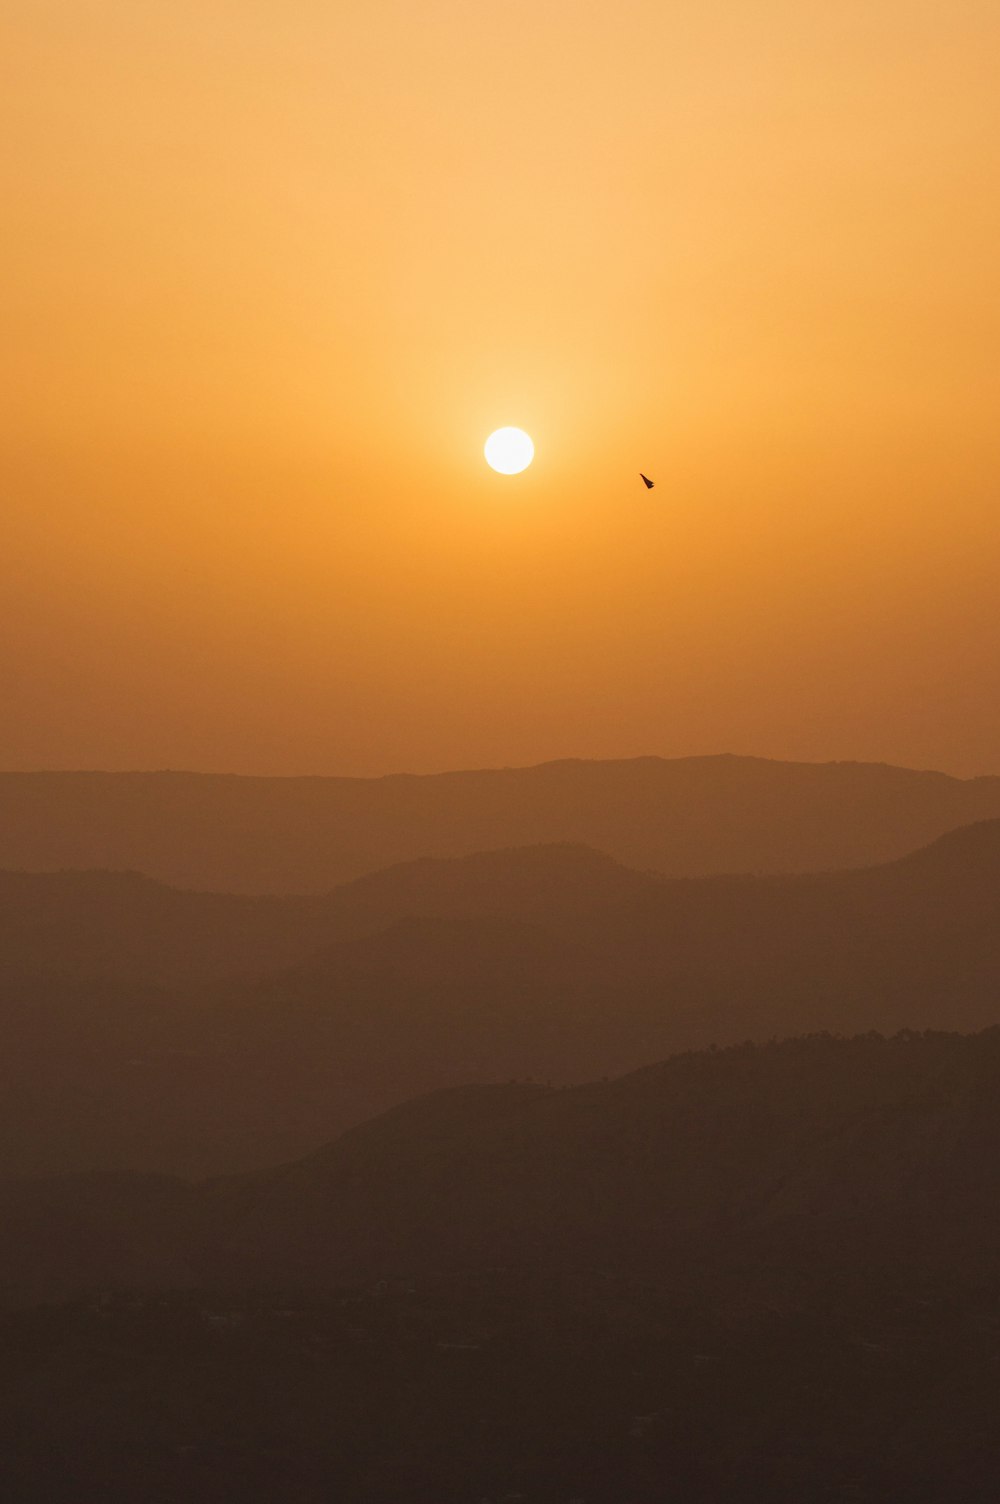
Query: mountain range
column 481, row 1160
column 683, row 817
column 221, row 1033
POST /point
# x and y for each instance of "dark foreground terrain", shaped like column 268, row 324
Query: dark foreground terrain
column 505, row 1385
column 770, row 1272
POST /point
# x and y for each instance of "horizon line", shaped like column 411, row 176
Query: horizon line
column 555, row 762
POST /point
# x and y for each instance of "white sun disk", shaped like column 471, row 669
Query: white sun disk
column 509, row 451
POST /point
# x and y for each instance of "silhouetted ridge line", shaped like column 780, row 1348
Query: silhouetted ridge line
column 803, row 1153
column 684, row 817
column 966, row 844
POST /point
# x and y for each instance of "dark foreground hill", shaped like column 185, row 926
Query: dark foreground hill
column 683, row 817
column 551, row 963
column 817, row 1154
column 769, row 1273
column 710, row 1166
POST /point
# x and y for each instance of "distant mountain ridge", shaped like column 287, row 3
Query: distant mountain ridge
column 224, row 1032
column 683, row 817
column 124, row 925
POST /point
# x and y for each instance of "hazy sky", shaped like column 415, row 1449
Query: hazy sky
column 273, row 269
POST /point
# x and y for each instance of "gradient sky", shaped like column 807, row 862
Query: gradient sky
column 272, row 271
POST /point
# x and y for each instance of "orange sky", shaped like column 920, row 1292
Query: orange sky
column 272, row 271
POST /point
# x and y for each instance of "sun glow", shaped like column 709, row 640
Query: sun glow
column 509, row 451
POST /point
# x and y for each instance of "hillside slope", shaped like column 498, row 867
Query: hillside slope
column 552, row 963
column 762, row 1163
column 767, row 1273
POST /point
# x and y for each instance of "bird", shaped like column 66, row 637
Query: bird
column 646, row 481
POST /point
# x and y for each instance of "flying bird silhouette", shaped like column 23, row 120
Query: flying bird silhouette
column 646, row 481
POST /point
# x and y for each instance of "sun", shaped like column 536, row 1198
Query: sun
column 509, row 450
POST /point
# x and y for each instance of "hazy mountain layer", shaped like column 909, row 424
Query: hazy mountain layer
column 551, row 963
column 684, row 817
column 126, row 926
